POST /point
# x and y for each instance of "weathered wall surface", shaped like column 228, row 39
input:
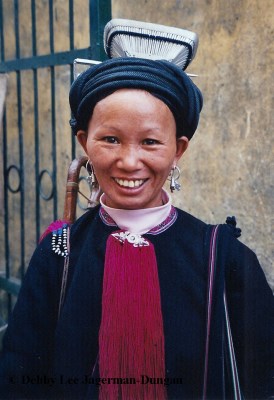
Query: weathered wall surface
column 228, row 168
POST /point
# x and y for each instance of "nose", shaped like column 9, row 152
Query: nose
column 129, row 158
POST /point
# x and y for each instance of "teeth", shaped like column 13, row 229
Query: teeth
column 130, row 184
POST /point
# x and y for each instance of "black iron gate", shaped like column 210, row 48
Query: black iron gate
column 35, row 142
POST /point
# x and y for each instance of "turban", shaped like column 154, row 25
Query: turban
column 161, row 78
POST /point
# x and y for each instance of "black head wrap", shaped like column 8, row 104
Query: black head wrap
column 162, row 79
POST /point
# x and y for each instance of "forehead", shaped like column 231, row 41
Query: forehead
column 126, row 109
column 137, row 101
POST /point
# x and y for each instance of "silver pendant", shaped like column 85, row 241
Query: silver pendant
column 134, row 238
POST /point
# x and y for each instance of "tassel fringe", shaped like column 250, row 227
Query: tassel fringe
column 131, row 338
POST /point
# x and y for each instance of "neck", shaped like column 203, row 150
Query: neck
column 139, row 221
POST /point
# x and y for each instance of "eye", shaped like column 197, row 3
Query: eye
column 150, row 142
column 110, row 139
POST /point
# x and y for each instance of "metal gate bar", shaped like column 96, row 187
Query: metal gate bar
column 99, row 14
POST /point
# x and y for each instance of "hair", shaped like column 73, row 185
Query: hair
column 162, row 79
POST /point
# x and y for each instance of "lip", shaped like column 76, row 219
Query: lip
column 132, row 183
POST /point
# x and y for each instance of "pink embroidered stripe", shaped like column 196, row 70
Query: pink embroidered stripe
column 163, row 226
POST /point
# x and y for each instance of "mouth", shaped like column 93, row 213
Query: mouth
column 132, row 183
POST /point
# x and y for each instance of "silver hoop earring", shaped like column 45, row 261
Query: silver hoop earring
column 91, row 176
column 173, row 178
column 95, row 191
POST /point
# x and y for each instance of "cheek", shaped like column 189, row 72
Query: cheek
column 167, row 166
column 161, row 167
column 101, row 159
column 164, row 161
column 92, row 150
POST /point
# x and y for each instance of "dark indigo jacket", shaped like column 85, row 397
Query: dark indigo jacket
column 44, row 357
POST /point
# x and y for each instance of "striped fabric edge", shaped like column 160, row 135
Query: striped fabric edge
column 211, row 273
column 232, row 358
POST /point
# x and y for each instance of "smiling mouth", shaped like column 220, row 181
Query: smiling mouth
column 130, row 183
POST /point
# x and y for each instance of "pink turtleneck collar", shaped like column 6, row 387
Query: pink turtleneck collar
column 139, row 221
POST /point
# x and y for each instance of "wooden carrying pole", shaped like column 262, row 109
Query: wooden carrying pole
column 3, row 92
column 72, row 189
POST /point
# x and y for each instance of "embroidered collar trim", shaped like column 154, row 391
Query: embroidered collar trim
column 163, row 226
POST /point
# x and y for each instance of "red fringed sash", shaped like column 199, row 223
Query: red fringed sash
column 131, row 338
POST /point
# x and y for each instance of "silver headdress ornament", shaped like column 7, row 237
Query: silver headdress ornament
column 129, row 38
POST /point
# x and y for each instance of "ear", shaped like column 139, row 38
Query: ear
column 181, row 146
column 82, row 138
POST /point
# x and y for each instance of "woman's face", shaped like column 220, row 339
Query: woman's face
column 131, row 143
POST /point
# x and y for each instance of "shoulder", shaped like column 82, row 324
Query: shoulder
column 228, row 233
column 189, row 222
column 51, row 249
column 243, row 271
column 84, row 222
column 233, row 252
column 236, row 251
column 89, row 215
column 44, row 264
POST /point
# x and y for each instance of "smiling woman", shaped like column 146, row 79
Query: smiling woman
column 151, row 291
column 131, row 143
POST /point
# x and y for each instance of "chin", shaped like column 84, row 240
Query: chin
column 131, row 202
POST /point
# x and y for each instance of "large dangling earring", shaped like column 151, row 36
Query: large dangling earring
column 173, row 178
column 91, row 176
column 95, row 190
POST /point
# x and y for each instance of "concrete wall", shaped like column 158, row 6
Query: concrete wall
column 228, row 168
